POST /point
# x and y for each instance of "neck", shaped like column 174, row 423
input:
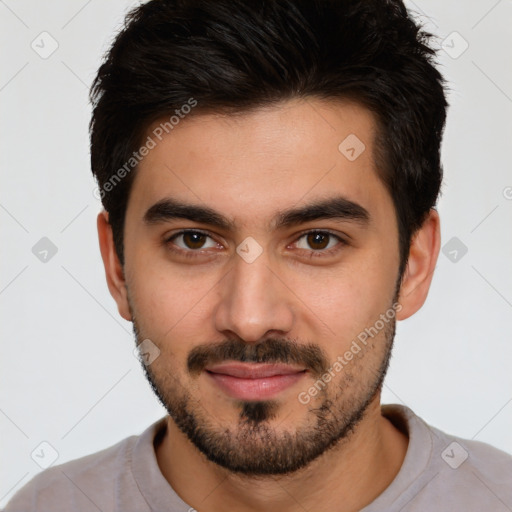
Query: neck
column 345, row 478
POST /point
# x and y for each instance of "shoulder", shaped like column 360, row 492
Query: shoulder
column 461, row 457
column 474, row 468
column 449, row 472
column 85, row 483
column 469, row 475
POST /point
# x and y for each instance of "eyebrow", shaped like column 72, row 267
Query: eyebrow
column 338, row 208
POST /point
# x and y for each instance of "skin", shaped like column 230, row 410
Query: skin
column 248, row 168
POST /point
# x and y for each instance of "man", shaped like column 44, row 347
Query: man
column 269, row 172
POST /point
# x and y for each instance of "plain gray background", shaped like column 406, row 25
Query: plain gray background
column 69, row 378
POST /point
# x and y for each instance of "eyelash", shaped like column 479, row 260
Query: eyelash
column 191, row 253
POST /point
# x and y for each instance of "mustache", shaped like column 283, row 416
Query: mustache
column 272, row 350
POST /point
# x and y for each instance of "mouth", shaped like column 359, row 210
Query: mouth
column 254, row 381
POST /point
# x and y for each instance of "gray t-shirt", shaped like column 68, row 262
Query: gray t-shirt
column 440, row 473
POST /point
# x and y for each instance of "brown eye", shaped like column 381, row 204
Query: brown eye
column 318, row 240
column 192, row 240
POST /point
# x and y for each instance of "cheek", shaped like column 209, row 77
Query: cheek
column 168, row 301
column 343, row 301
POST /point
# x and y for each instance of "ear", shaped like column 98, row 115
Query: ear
column 113, row 268
column 422, row 260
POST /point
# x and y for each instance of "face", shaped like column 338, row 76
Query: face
column 261, row 260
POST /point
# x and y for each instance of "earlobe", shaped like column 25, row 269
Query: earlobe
column 422, row 261
column 113, row 268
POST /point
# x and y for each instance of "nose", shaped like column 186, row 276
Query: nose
column 254, row 301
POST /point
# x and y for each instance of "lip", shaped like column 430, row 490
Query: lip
column 253, row 370
column 254, row 381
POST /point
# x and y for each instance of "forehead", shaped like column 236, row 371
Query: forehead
column 252, row 164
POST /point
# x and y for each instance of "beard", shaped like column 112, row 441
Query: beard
column 254, row 446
